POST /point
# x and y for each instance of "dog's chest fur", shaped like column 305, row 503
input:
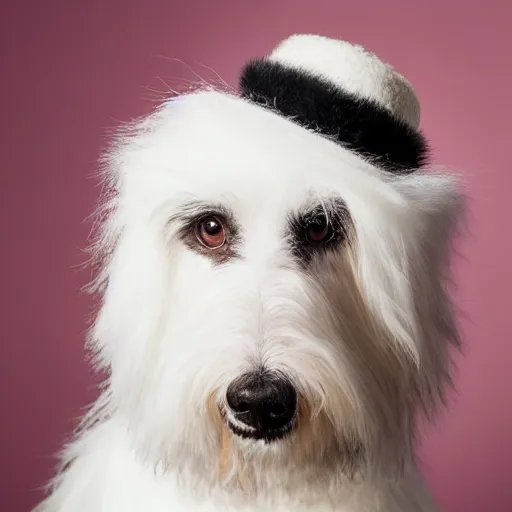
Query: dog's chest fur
column 106, row 477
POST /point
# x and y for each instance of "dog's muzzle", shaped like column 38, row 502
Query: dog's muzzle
column 261, row 405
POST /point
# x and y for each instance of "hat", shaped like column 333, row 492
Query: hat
column 342, row 91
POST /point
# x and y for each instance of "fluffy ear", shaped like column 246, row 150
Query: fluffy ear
column 439, row 207
column 404, row 260
column 344, row 92
column 129, row 250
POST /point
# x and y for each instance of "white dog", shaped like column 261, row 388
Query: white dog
column 274, row 316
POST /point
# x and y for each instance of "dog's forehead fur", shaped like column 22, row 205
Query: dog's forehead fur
column 212, row 146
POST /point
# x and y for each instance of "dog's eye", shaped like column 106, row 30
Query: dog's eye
column 211, row 233
column 318, row 230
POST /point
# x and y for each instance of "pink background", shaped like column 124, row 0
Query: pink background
column 71, row 70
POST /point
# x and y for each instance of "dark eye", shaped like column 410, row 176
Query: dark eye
column 318, row 229
column 210, row 231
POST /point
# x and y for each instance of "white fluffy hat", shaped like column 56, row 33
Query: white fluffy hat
column 342, row 91
column 352, row 68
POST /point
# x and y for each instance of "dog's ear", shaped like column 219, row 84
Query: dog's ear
column 345, row 93
column 128, row 251
column 439, row 208
column 403, row 264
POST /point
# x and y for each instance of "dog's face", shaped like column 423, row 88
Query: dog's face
column 270, row 297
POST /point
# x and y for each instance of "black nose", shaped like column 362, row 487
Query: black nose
column 264, row 401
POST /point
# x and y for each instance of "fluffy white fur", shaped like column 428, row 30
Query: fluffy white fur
column 364, row 334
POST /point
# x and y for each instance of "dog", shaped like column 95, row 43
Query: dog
column 274, row 304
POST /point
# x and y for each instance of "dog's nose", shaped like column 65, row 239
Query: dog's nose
column 264, row 401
